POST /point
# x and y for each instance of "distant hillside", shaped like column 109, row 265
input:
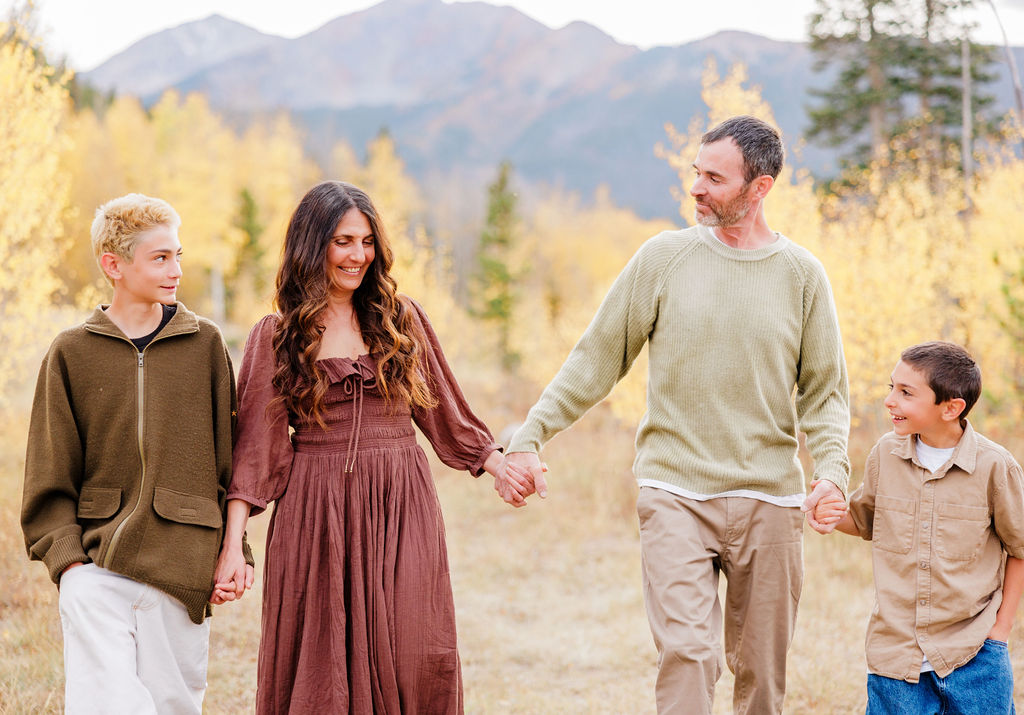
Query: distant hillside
column 465, row 85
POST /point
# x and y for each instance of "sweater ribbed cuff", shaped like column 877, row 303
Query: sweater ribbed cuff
column 524, row 441
column 840, row 480
column 62, row 553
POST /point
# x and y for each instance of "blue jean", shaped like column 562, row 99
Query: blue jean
column 981, row 686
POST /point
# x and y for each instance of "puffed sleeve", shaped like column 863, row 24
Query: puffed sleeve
column 458, row 436
column 262, row 456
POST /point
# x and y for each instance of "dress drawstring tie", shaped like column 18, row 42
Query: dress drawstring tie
column 354, row 385
column 357, row 423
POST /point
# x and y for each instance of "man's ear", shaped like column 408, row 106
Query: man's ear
column 111, row 265
column 953, row 408
column 762, row 185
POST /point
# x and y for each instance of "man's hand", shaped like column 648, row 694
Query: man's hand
column 829, row 495
column 520, row 475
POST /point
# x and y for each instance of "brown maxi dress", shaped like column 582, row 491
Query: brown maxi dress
column 357, row 603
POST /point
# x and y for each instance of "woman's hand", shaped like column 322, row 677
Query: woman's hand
column 232, row 576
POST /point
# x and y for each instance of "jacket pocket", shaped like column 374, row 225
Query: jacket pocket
column 187, row 508
column 893, row 528
column 960, row 530
column 98, row 502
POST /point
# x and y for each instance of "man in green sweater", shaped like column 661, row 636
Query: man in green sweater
column 738, row 320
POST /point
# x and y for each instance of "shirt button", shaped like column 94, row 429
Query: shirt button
column 923, row 602
column 924, row 564
column 925, row 524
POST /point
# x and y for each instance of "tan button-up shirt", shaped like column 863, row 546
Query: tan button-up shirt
column 937, row 543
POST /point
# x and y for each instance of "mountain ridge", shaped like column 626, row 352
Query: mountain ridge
column 463, row 86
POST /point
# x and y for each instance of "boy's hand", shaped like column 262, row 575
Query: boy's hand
column 1001, row 632
column 71, row 566
column 829, row 510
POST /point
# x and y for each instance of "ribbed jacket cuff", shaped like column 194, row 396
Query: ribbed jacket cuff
column 62, row 553
column 196, row 602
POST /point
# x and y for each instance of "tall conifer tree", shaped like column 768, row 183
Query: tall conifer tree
column 494, row 278
column 897, row 75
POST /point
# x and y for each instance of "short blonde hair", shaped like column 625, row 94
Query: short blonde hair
column 120, row 221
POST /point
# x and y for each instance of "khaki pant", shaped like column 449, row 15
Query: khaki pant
column 685, row 544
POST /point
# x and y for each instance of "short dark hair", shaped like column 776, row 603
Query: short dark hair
column 759, row 142
column 951, row 371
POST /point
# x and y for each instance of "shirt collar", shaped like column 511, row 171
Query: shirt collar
column 965, row 455
column 183, row 321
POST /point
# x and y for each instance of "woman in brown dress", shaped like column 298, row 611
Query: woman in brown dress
column 357, row 603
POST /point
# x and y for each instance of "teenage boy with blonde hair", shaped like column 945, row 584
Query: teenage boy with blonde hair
column 943, row 508
column 128, row 462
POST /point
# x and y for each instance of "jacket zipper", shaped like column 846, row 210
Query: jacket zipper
column 142, row 456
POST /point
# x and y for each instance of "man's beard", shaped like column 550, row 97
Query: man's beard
column 728, row 214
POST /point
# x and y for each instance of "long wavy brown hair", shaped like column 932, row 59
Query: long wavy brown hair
column 386, row 320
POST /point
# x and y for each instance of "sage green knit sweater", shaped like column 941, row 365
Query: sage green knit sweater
column 731, row 333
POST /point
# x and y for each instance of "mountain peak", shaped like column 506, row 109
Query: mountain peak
column 169, row 56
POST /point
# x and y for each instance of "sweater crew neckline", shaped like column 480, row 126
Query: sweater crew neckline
column 742, row 254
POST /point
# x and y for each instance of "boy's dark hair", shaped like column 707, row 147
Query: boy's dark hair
column 759, row 143
column 950, row 370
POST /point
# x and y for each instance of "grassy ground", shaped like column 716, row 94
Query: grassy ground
column 551, row 615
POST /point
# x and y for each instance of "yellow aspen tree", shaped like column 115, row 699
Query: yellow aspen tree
column 343, row 165
column 109, row 155
column 33, row 192
column 272, row 174
column 195, row 172
column 997, row 231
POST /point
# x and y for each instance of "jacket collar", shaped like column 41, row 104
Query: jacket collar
column 965, row 454
column 183, row 322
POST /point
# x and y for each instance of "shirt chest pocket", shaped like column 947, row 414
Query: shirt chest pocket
column 960, row 530
column 893, row 528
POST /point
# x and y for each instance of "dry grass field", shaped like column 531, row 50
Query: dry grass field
column 551, row 616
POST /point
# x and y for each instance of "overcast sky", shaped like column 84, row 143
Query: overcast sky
column 90, row 31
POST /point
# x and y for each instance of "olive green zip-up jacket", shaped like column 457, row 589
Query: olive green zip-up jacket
column 129, row 455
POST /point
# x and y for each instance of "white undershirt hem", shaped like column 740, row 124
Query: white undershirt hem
column 792, row 500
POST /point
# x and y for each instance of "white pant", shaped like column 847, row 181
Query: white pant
column 129, row 648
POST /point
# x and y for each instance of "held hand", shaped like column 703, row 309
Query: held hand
column 824, row 520
column 232, row 576
column 830, row 509
column 520, row 475
column 512, row 483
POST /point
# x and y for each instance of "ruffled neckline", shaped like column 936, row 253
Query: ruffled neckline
column 338, row 369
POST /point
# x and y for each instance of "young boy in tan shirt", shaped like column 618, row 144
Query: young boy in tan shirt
column 943, row 508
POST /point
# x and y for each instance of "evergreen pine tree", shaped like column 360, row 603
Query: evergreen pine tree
column 494, row 290
column 898, row 75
